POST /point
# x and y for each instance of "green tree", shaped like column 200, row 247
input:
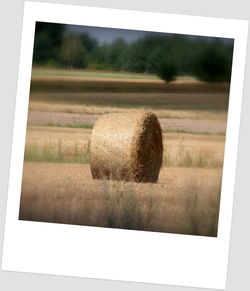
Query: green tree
column 167, row 70
column 88, row 42
column 73, row 52
column 47, row 42
column 154, row 59
column 98, row 58
column 116, row 54
column 214, row 63
column 136, row 57
column 162, row 61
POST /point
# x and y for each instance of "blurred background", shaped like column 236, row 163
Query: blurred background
column 162, row 54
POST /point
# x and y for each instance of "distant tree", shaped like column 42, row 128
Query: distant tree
column 155, row 58
column 167, row 70
column 116, row 53
column 88, row 42
column 148, row 55
column 214, row 63
column 47, row 42
column 136, row 57
column 43, row 48
column 72, row 52
column 163, row 54
column 162, row 63
column 98, row 58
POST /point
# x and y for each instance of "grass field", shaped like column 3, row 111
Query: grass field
column 91, row 74
column 76, row 81
column 57, row 183
column 62, row 144
column 184, row 200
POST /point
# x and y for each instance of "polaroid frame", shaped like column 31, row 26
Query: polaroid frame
column 117, row 254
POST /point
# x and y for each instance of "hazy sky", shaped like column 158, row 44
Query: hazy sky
column 108, row 35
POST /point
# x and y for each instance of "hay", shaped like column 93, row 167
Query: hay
column 126, row 146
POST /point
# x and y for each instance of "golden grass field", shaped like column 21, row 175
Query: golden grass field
column 57, row 183
column 185, row 200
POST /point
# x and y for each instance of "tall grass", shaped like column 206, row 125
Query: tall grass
column 183, row 157
column 192, row 207
column 124, row 208
column 70, row 125
column 178, row 156
column 57, row 153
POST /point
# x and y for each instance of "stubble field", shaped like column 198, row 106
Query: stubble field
column 57, row 183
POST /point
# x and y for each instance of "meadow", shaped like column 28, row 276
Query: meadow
column 57, row 183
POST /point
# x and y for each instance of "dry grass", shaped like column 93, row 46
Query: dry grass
column 186, row 198
column 87, row 120
column 94, row 84
column 188, row 150
column 56, row 144
column 56, row 153
column 158, row 101
column 94, row 110
column 65, row 145
column 185, row 201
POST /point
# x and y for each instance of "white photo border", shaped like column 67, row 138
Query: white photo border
column 117, row 254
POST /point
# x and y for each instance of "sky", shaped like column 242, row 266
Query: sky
column 108, row 35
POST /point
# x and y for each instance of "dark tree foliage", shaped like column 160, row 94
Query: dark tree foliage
column 116, row 54
column 88, row 42
column 73, row 53
column 136, row 57
column 154, row 59
column 98, row 59
column 47, row 43
column 167, row 70
column 214, row 63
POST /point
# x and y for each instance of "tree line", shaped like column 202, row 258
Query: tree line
column 166, row 55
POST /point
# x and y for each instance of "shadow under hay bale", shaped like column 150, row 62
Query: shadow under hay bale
column 126, row 146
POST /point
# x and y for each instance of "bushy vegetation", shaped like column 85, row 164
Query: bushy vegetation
column 212, row 64
column 167, row 71
column 166, row 55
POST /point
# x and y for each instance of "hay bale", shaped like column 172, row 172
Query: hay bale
column 126, row 146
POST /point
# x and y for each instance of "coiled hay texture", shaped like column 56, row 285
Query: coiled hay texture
column 126, row 146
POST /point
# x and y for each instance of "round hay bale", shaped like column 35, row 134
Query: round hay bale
column 126, row 146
